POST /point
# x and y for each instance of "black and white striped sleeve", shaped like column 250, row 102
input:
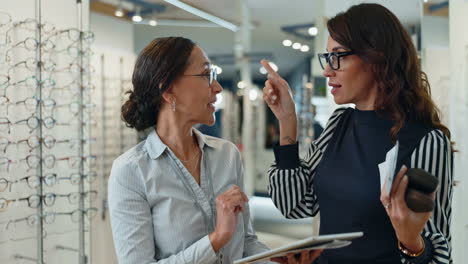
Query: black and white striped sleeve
column 434, row 155
column 291, row 178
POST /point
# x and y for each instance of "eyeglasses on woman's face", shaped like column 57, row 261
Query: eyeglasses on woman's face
column 211, row 74
column 333, row 59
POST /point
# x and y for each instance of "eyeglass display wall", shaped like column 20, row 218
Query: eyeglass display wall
column 47, row 168
column 112, row 80
column 305, row 115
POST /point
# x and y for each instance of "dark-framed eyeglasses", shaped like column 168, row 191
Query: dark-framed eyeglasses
column 213, row 75
column 333, row 59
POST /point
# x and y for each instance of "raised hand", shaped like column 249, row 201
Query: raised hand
column 278, row 96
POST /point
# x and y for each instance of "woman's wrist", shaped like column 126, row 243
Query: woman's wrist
column 412, row 248
column 217, row 241
column 288, row 131
column 288, row 117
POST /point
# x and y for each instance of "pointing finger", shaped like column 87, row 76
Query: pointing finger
column 268, row 68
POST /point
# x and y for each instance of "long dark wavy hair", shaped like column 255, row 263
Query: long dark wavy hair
column 158, row 65
column 376, row 35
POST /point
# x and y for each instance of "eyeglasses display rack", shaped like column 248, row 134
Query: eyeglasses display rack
column 113, row 137
column 47, row 168
column 305, row 116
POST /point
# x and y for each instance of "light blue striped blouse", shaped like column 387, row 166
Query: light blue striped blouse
column 158, row 212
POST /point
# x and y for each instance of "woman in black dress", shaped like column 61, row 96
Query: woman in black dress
column 372, row 63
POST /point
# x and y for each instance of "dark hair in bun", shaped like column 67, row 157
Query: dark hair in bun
column 157, row 66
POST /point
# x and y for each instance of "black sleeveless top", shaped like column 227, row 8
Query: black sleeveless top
column 347, row 185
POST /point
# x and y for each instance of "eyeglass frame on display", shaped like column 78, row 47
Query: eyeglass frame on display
column 45, row 83
column 88, row 35
column 49, row 199
column 88, row 107
column 40, row 199
column 75, row 67
column 82, row 212
column 85, row 87
column 44, row 233
column 48, row 141
column 46, row 103
column 49, row 217
column 49, row 180
column 8, row 58
column 51, row 164
column 20, row 25
column 31, row 64
column 73, row 199
column 43, row 121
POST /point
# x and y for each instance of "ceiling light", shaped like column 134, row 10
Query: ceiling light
column 136, row 17
column 241, row 85
column 153, row 22
column 253, row 94
column 313, row 31
column 203, row 14
column 119, row 12
column 296, row 45
column 218, row 69
column 287, row 42
column 305, row 48
column 272, row 65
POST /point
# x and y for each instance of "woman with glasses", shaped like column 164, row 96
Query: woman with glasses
column 177, row 197
column 370, row 62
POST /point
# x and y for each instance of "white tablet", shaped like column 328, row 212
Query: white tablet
column 316, row 242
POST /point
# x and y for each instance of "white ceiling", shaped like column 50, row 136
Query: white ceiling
column 268, row 16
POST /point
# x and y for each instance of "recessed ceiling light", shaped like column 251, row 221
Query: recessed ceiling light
column 313, row 31
column 137, row 17
column 287, row 42
column 119, row 12
column 153, row 22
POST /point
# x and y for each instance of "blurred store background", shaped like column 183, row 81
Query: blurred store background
column 236, row 34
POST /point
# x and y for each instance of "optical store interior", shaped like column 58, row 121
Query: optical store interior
column 68, row 68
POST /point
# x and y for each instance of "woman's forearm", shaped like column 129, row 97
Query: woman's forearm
column 288, row 131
